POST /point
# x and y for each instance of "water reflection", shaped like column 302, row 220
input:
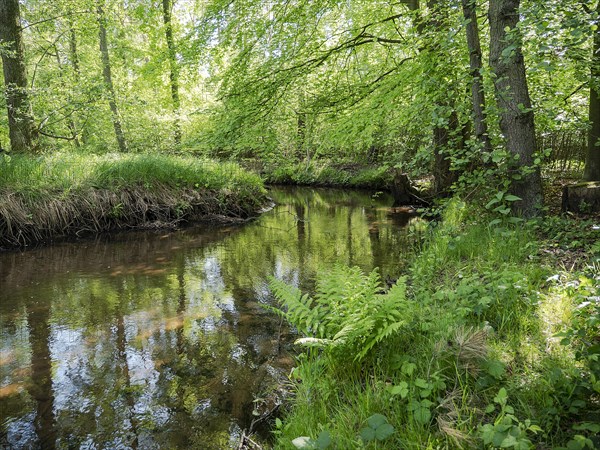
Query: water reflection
column 158, row 340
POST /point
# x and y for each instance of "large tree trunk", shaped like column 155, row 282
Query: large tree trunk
column 475, row 64
column 592, row 160
column 107, row 74
column 174, row 73
column 512, row 96
column 22, row 130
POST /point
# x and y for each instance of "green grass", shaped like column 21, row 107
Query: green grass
column 501, row 349
column 114, row 171
column 43, row 197
column 327, row 173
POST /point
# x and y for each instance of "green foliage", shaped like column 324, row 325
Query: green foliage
column 378, row 429
column 72, row 170
column 348, row 315
column 484, row 317
column 65, row 193
column 322, row 442
column 325, row 172
column 506, row 431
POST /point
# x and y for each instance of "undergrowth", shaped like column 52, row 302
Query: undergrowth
column 486, row 343
column 69, row 193
column 327, row 173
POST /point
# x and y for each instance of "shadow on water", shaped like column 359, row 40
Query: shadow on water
column 158, row 339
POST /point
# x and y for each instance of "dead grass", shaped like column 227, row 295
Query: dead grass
column 27, row 220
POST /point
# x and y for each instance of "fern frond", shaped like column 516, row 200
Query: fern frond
column 314, row 342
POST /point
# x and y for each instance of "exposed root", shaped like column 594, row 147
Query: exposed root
column 26, row 219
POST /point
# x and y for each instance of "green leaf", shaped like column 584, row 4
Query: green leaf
column 408, row 368
column 523, row 444
column 487, row 433
column 367, row 434
column 587, row 426
column 401, row 389
column 384, row 431
column 421, row 383
column 498, row 438
column 508, row 441
column 376, row 420
column 491, row 203
column 495, row 368
column 278, row 422
column 323, row 440
column 512, row 198
column 422, row 415
column 501, row 397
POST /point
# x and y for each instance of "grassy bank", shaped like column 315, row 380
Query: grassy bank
column 491, row 340
column 326, row 173
column 64, row 194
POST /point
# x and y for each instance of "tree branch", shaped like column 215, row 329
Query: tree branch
column 32, row 24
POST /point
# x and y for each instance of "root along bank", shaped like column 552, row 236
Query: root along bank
column 47, row 197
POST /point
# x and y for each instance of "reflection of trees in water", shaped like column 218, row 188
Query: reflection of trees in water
column 40, row 386
column 168, row 331
column 121, row 341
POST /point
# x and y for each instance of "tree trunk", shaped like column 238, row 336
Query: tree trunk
column 40, row 387
column 592, row 159
column 445, row 139
column 22, row 130
column 74, row 57
column 475, row 63
column 512, row 96
column 107, row 74
column 448, row 137
column 70, row 122
column 174, row 74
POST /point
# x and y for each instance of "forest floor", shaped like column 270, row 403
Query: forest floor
column 43, row 198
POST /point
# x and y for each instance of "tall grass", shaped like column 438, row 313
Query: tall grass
column 478, row 364
column 66, row 193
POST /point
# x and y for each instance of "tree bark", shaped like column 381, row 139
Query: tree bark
column 512, row 96
column 592, row 160
column 475, row 63
column 21, row 126
column 70, row 122
column 74, row 57
column 107, row 74
column 448, row 137
column 174, row 73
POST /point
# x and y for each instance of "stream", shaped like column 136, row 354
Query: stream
column 159, row 339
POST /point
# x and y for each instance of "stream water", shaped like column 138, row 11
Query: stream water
column 159, row 339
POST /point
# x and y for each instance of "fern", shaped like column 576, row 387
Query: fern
column 348, row 315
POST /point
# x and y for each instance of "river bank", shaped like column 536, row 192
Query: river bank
column 490, row 339
column 65, row 194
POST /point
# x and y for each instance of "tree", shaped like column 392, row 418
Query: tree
column 475, row 64
column 592, row 161
column 512, row 96
column 107, row 75
column 174, row 70
column 22, row 129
